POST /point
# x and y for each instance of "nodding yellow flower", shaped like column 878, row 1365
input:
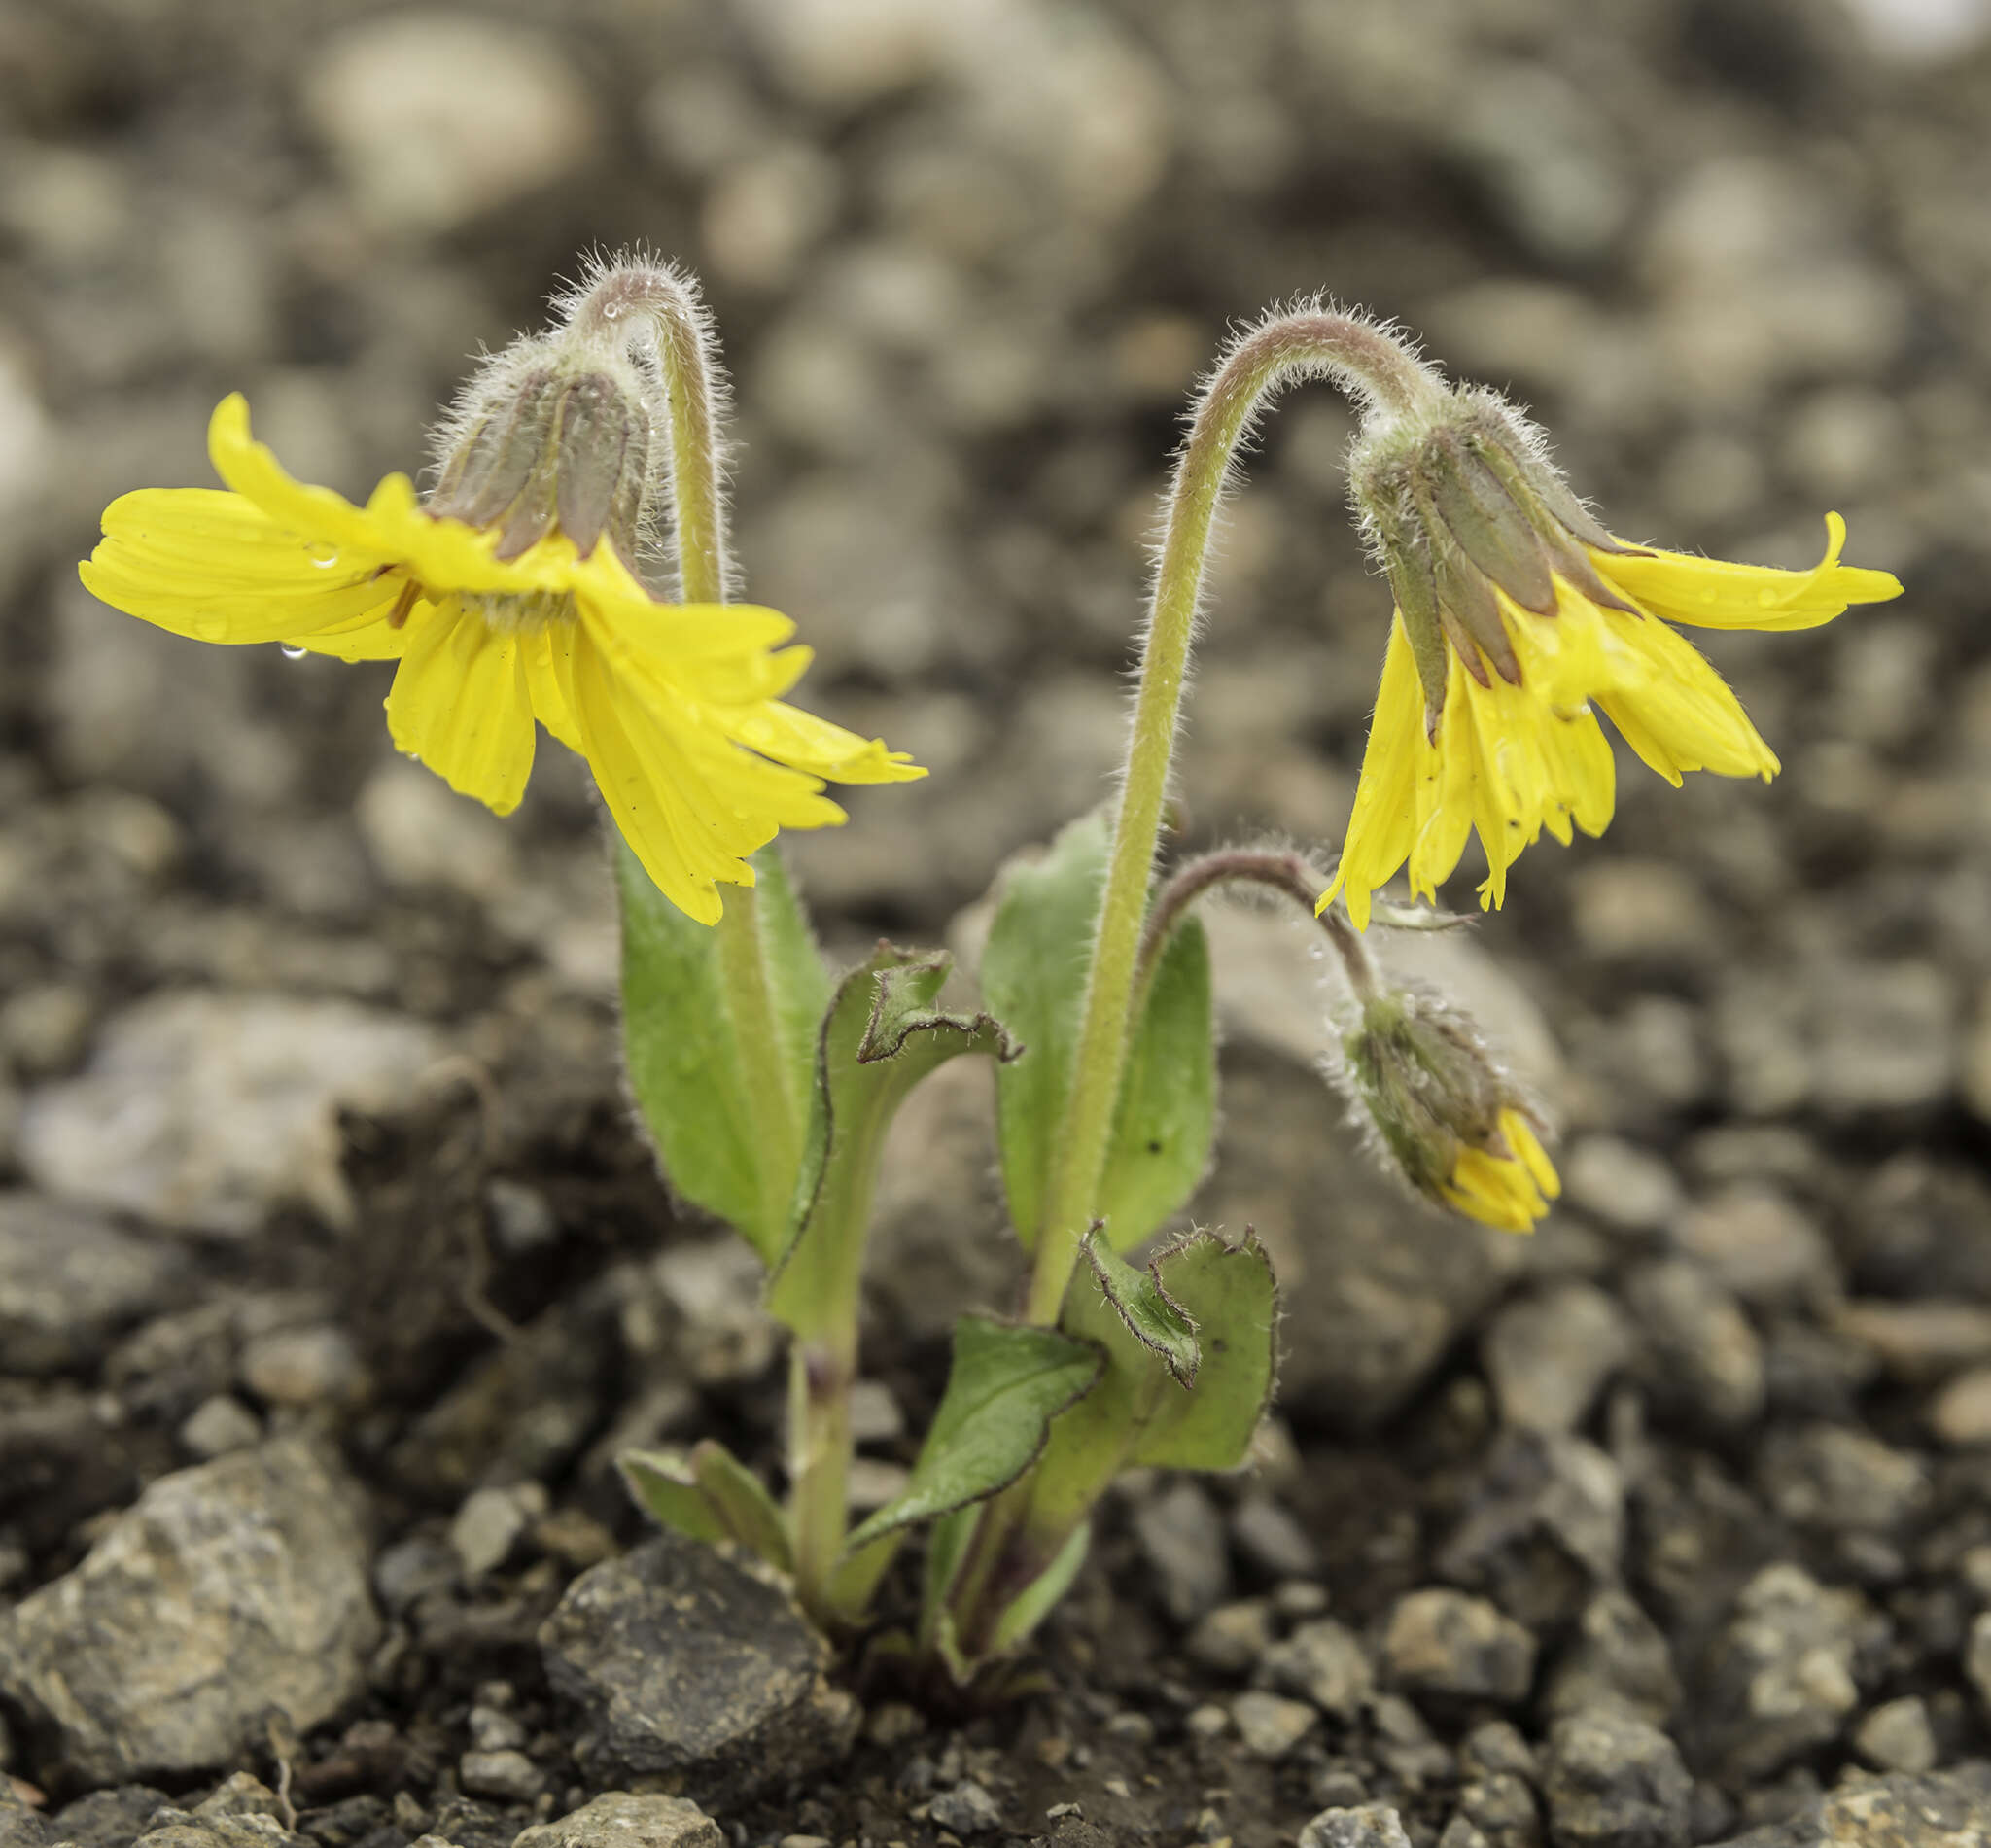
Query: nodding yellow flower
column 1518, row 621
column 1446, row 1117
column 501, row 610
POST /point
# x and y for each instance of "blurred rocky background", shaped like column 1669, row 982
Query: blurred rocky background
column 308, row 1097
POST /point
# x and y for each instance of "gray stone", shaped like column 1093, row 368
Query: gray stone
column 969, row 1809
column 684, row 1663
column 1704, row 1352
column 1364, row 1825
column 1977, row 1660
column 228, row 1590
column 207, row 1109
column 1920, row 1341
column 69, row 1280
column 1622, row 1184
column 1230, row 1640
column 109, row 1819
column 1760, row 1246
column 1500, row 1807
column 218, row 1424
column 1322, row 1662
column 1446, row 1643
column 1615, row 1782
column 1902, row 1810
column 507, row 1775
column 303, row 1366
column 1897, row 1736
column 618, row 1820
column 240, row 1813
column 1548, row 1353
column 491, row 1522
column 1271, row 1538
column 1781, row 1676
column 1830, row 1478
column 19, row 1826
column 1619, row 1659
column 1960, row 1414
column 1271, row 1725
column 1887, row 1042
column 1181, row 1536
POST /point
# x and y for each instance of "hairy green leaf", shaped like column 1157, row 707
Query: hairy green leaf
column 708, row 1494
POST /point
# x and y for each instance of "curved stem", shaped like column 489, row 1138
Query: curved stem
column 1306, row 343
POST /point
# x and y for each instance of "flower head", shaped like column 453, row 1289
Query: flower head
column 513, row 594
column 1450, row 1121
column 1519, row 620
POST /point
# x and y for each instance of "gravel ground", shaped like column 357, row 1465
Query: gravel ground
column 331, row 1274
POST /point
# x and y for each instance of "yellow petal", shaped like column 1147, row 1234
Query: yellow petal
column 1383, row 827
column 804, row 741
column 460, row 704
column 548, row 682
column 1713, row 594
column 254, row 472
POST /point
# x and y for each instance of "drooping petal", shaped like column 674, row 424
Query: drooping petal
column 1710, row 593
column 460, row 704
column 1382, row 827
column 548, row 682
column 1685, row 709
column 254, row 472
column 790, row 735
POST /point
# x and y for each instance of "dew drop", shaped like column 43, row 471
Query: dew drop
column 294, row 654
column 320, row 554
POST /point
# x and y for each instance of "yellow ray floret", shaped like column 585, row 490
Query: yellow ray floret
column 1509, row 757
column 676, row 708
column 1506, row 1182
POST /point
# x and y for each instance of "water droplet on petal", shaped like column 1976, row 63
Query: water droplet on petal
column 294, row 654
column 322, row 555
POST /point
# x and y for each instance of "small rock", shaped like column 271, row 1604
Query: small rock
column 1618, row 1661
column 1271, row 1538
column 1888, row 1042
column 1495, row 1747
column 1960, row 1414
column 1500, row 1808
column 1547, row 1355
column 618, row 1820
column 227, row 1589
column 1622, row 1184
column 510, row 1776
column 715, row 1286
column 1446, row 1643
column 108, row 1819
column 19, row 1826
column 1230, row 1640
column 1836, row 1479
column 219, row 1424
column 1977, row 1660
column 875, row 1413
column 1900, row 1810
column 684, row 1663
column 1270, row 1727
column 492, row 1729
column 1366, row 1826
column 968, row 1810
column 411, row 1569
column 1921, row 1341
column 69, row 1280
column 207, row 1109
column 1321, row 1661
column 302, row 1366
column 1781, row 1675
column 1760, row 1246
column 491, row 1522
column 1615, row 1782
column 1896, row 1736
column 1181, row 1536
column 1702, row 1348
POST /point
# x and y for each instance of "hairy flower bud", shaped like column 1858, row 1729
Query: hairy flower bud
column 1450, row 1120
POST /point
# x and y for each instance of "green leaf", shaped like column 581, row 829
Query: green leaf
column 1035, row 1601
column 1167, row 1116
column 709, row 1495
column 880, row 1037
column 683, row 1050
column 1231, row 1293
column 1150, row 1315
column 1033, row 973
column 1007, row 1385
column 858, row 1573
column 1034, row 976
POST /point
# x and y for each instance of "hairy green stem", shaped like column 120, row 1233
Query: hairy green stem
column 1307, row 343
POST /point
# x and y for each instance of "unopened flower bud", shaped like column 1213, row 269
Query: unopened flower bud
column 1449, row 1119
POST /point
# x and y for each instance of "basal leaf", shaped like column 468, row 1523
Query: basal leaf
column 1151, row 1315
column 708, row 1494
column 1037, row 1599
column 1007, row 1385
column 684, row 1051
column 1233, row 1296
column 880, row 1037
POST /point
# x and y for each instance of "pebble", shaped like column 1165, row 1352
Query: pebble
column 206, row 1109
column 1781, row 1674
column 1181, row 1536
column 491, row 1522
column 1271, row 1725
column 617, row 1819
column 438, row 118
column 1548, row 1353
column 968, row 1810
column 1960, row 1414
column 302, row 1366
column 1618, row 1659
column 1832, row 1478
column 1897, row 1736
column 510, row 1776
column 1500, row 1807
column 1271, row 1538
column 686, row 1664
column 1322, row 1662
column 1614, row 1781
column 227, row 1589
column 1364, row 1825
column 1544, row 1520
column 1760, row 1246
column 1230, row 1640
column 492, row 1729
column 218, row 1424
column 70, row 1280
column 1703, row 1350
column 1977, row 1660
column 714, row 1286
column 1449, row 1644
column 1920, row 1341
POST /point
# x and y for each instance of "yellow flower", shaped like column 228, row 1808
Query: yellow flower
column 1519, row 619
column 1506, row 1181
column 677, row 708
column 1445, row 1116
